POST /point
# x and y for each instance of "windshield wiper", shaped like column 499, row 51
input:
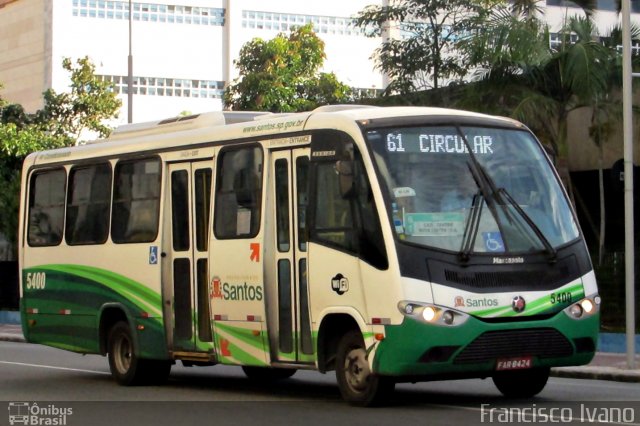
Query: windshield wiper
column 553, row 253
column 471, row 227
column 492, row 194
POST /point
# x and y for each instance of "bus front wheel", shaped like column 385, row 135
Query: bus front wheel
column 126, row 367
column 358, row 385
column 521, row 383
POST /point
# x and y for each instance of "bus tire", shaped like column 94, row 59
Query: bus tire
column 267, row 374
column 126, row 367
column 357, row 384
column 521, row 383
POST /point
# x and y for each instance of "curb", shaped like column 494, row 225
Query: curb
column 597, row 373
column 6, row 337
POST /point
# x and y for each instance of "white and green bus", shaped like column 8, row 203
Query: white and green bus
column 388, row 244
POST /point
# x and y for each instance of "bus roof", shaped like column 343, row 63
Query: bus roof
column 233, row 125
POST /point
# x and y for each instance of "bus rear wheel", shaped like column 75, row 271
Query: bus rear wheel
column 521, row 383
column 358, row 384
column 126, row 367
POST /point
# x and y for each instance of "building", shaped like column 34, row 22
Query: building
column 182, row 53
column 183, row 50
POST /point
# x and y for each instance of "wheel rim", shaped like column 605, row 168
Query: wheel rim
column 356, row 370
column 122, row 354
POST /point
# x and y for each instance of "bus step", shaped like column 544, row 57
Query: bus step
column 194, row 356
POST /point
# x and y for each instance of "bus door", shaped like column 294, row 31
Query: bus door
column 289, row 322
column 190, row 200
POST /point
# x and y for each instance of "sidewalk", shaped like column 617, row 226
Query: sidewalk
column 11, row 333
column 605, row 366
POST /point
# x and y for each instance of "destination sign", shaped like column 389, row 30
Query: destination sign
column 437, row 143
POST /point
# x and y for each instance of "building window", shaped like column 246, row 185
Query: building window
column 269, row 21
column 155, row 86
column 159, row 13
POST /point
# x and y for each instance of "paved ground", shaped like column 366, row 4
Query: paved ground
column 605, row 366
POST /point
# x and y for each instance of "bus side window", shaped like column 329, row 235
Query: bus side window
column 333, row 222
column 88, row 204
column 46, row 208
column 136, row 201
column 371, row 242
column 345, row 214
column 238, row 193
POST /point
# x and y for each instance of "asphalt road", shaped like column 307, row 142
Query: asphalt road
column 72, row 389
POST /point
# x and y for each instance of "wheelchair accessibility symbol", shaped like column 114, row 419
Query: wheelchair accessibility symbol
column 493, row 241
column 153, row 255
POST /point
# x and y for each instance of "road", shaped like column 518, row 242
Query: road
column 56, row 381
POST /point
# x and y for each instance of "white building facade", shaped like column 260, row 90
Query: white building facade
column 182, row 53
column 183, row 50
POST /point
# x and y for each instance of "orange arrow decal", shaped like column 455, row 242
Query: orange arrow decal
column 255, row 252
column 224, row 347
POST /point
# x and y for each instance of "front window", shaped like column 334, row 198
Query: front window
column 504, row 198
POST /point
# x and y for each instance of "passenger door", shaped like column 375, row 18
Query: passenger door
column 289, row 321
column 190, row 200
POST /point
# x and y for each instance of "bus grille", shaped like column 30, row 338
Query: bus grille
column 486, row 278
column 534, row 278
column 538, row 342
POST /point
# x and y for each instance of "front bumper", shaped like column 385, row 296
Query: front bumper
column 416, row 350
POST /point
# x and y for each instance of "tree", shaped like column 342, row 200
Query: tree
column 423, row 55
column 61, row 120
column 281, row 75
column 15, row 144
column 90, row 102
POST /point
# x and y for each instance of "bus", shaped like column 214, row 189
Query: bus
column 387, row 244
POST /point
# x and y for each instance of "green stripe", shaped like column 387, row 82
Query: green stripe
column 542, row 304
column 128, row 288
column 132, row 291
column 242, row 334
column 244, row 357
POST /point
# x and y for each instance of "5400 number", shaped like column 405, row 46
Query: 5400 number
column 36, row 280
column 562, row 297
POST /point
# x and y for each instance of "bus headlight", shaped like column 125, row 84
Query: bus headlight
column 448, row 317
column 587, row 305
column 432, row 314
column 584, row 308
column 429, row 313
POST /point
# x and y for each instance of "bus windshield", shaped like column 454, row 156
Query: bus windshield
column 502, row 197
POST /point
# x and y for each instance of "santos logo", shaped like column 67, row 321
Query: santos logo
column 459, row 302
column 228, row 291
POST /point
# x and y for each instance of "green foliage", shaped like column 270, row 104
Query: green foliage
column 523, row 77
column 90, row 102
column 281, row 75
column 15, row 144
column 423, row 52
column 63, row 117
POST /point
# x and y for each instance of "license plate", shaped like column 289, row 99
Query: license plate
column 518, row 363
